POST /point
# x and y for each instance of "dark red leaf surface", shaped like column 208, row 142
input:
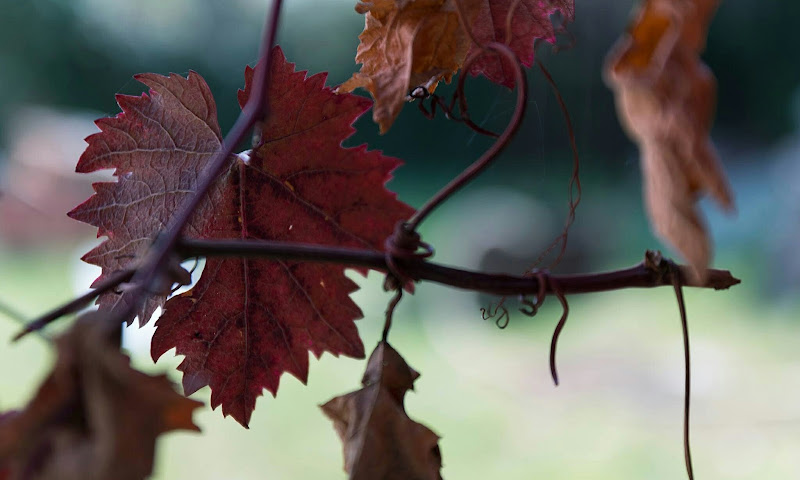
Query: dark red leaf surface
column 248, row 321
column 530, row 21
column 158, row 145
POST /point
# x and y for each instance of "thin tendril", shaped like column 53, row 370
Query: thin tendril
column 490, row 155
column 574, row 188
column 491, row 312
column 422, row 94
column 559, row 327
column 687, row 451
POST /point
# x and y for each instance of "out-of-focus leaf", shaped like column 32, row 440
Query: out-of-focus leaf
column 665, row 99
column 406, row 44
column 418, row 43
column 93, row 417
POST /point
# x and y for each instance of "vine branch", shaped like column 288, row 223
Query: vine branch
column 642, row 275
column 647, row 274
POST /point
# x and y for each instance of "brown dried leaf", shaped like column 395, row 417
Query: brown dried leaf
column 380, row 441
column 94, row 417
column 417, row 43
column 405, row 44
column 665, row 100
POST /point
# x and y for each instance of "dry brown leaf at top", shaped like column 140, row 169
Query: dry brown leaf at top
column 405, row 44
column 665, row 100
column 94, row 417
column 380, row 441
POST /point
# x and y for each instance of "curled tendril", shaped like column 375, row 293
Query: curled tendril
column 404, row 244
column 559, row 327
column 531, row 307
column 497, row 312
column 574, row 186
column 487, row 158
column 421, row 93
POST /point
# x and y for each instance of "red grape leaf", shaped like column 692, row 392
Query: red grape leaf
column 530, row 20
column 247, row 321
column 665, row 100
column 158, row 145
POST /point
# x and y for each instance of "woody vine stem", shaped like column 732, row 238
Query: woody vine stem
column 406, row 257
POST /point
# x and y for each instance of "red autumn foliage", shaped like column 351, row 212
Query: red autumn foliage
column 158, row 145
column 248, row 321
column 530, row 20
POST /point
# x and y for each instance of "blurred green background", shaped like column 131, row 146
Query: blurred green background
column 487, row 392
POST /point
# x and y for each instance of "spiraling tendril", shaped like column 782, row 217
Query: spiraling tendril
column 497, row 312
column 421, row 93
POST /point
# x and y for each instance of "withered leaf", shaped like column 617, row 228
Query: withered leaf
column 94, row 417
column 380, row 442
column 665, row 100
column 405, row 44
column 418, row 43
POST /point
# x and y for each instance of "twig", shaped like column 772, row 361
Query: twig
column 642, row 275
column 108, row 284
column 639, row 276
